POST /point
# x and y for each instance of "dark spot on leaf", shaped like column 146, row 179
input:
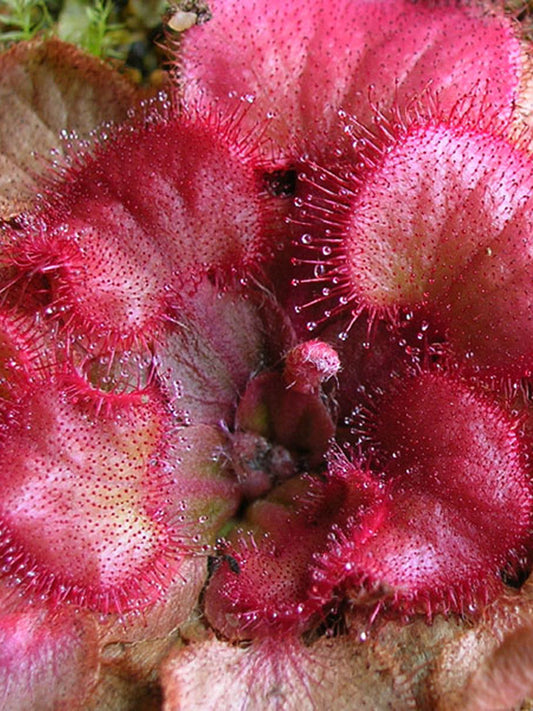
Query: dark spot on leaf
column 281, row 183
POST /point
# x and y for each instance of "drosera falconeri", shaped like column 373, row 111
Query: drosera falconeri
column 265, row 368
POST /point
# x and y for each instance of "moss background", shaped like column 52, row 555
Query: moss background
column 126, row 31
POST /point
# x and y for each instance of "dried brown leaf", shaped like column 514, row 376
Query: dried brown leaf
column 46, row 87
column 339, row 674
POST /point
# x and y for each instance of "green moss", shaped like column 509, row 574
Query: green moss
column 22, row 19
column 128, row 31
column 93, row 27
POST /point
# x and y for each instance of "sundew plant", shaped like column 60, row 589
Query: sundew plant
column 266, row 360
